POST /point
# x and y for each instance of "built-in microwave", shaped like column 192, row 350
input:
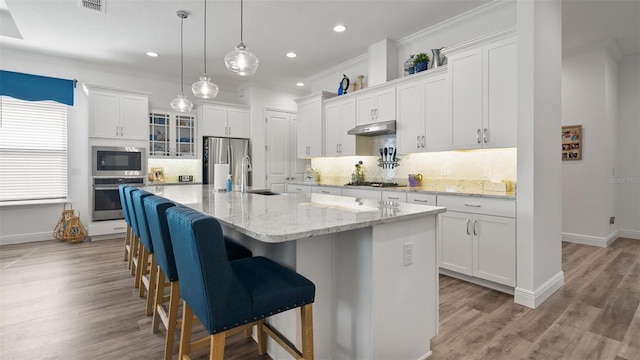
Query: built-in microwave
column 118, row 161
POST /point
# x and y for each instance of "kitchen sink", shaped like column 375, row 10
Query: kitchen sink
column 263, row 192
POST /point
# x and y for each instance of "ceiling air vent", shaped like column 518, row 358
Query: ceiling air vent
column 95, row 5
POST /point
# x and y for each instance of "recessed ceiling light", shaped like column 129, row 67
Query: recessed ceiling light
column 339, row 28
column 291, row 54
column 300, row 84
column 152, row 54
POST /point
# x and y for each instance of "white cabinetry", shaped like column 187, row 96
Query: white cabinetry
column 395, row 196
column 117, row 114
column 483, row 92
column 421, row 198
column 340, row 116
column 225, row 121
column 311, row 125
column 326, row 190
column 423, row 122
column 362, row 193
column 172, row 134
column 477, row 237
column 298, row 189
column 376, row 106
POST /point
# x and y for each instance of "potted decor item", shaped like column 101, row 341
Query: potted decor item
column 420, row 61
column 357, row 177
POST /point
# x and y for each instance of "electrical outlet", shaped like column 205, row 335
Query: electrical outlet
column 443, row 171
column 408, row 254
column 612, row 220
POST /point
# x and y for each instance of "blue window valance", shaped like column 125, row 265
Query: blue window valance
column 36, row 88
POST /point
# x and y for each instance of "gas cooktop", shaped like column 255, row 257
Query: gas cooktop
column 375, row 184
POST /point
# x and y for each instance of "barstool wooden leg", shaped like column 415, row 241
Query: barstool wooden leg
column 306, row 312
column 262, row 337
column 151, row 283
column 217, row 346
column 185, row 334
column 173, row 323
column 158, row 299
column 127, row 243
column 133, row 255
column 143, row 262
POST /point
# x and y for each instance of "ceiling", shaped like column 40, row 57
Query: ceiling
column 120, row 37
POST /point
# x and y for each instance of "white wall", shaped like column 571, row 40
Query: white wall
column 35, row 223
column 627, row 178
column 589, row 98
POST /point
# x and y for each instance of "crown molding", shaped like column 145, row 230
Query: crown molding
column 338, row 68
column 458, row 20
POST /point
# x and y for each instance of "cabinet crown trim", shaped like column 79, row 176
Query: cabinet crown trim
column 92, row 87
column 498, row 35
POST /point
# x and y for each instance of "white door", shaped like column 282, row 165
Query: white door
column 105, row 115
column 385, row 102
column 214, row 120
column 297, row 166
column 278, row 144
column 465, row 89
column 239, row 123
column 410, row 122
column 494, row 248
column 437, row 121
column 134, row 112
column 333, row 129
column 500, row 94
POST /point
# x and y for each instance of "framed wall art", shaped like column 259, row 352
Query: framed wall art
column 157, row 174
column 572, row 142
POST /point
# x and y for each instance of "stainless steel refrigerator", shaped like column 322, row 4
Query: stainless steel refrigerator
column 219, row 150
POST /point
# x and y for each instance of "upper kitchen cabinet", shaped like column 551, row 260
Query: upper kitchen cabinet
column 225, row 121
column 311, row 116
column 117, row 114
column 172, row 134
column 340, row 116
column 423, row 123
column 376, row 106
column 483, row 91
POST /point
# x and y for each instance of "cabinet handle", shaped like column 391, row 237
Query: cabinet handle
column 298, row 189
column 478, row 136
column 468, row 232
column 421, row 201
column 393, row 197
column 117, row 130
column 418, row 142
column 423, row 142
column 475, row 227
column 376, row 112
column 324, row 191
column 340, row 148
column 484, row 136
column 473, row 205
column 371, row 114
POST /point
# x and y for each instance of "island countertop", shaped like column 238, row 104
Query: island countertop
column 285, row 217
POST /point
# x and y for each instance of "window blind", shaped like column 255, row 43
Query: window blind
column 33, row 150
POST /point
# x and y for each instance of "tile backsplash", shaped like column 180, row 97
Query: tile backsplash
column 494, row 164
column 172, row 168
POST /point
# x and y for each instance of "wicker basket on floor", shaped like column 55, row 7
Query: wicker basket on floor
column 69, row 228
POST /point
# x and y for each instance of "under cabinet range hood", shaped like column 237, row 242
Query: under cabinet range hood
column 375, row 129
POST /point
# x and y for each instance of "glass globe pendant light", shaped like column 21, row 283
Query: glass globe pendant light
column 181, row 103
column 204, row 88
column 241, row 61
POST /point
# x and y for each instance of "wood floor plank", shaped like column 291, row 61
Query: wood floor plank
column 76, row 301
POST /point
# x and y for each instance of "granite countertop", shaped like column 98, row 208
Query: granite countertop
column 438, row 189
column 285, row 217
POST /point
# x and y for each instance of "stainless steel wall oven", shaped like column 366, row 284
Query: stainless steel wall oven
column 106, row 197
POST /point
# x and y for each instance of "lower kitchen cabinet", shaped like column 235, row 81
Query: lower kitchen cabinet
column 362, row 193
column 326, row 190
column 476, row 244
column 298, row 189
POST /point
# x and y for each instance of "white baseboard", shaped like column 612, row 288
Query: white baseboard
column 629, row 234
column 482, row 282
column 533, row 299
column 426, row 356
column 591, row 240
column 26, row 238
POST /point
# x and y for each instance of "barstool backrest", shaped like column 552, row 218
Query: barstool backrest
column 155, row 208
column 128, row 195
column 141, row 217
column 207, row 281
column 123, row 202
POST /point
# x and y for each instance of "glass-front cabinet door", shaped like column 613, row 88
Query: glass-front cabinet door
column 172, row 134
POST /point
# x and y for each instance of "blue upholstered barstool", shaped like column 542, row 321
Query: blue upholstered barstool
column 146, row 260
column 125, row 212
column 229, row 296
column 135, row 240
column 155, row 208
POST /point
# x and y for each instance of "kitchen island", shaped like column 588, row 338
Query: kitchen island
column 373, row 263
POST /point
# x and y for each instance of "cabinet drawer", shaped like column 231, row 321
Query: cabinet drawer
column 477, row 205
column 298, row 189
column 326, row 190
column 394, row 196
column 423, row 199
column 362, row 193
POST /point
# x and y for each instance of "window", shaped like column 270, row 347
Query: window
column 33, row 150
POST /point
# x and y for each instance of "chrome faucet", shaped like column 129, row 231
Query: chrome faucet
column 244, row 177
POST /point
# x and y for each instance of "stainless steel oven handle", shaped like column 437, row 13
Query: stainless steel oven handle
column 105, row 187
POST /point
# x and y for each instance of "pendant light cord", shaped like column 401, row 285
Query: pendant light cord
column 241, row 22
column 205, row 37
column 181, row 55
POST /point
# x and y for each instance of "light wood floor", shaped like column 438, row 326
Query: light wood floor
column 77, row 301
